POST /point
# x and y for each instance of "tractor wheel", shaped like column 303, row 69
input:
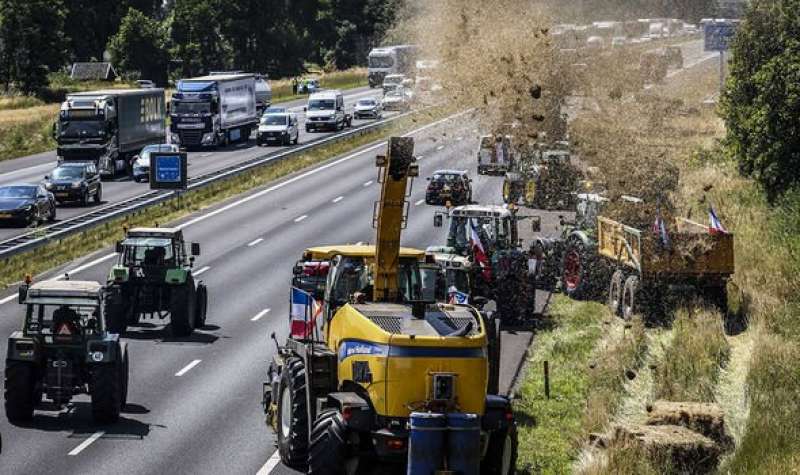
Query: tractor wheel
column 327, row 454
column 116, row 312
column 20, row 394
column 181, row 309
column 575, row 270
column 107, row 391
column 201, row 305
column 501, row 455
column 615, row 292
column 293, row 415
column 629, row 297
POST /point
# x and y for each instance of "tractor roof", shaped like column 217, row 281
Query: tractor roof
column 479, row 211
column 64, row 288
column 356, row 250
column 154, row 232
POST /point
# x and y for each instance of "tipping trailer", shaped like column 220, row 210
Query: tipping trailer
column 647, row 266
column 209, row 111
column 109, row 127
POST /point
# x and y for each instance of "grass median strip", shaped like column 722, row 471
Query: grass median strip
column 65, row 250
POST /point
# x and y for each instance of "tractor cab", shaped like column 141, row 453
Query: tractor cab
column 495, row 226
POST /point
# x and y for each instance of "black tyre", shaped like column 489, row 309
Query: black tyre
column 494, row 338
column 51, row 213
column 98, row 195
column 629, row 296
column 292, row 416
column 125, row 376
column 501, row 455
column 107, row 392
column 201, row 305
column 575, row 270
column 615, row 292
column 181, row 309
column 116, row 312
column 85, row 198
column 296, row 138
column 20, row 391
column 328, row 451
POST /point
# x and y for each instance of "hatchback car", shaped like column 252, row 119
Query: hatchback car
column 396, row 100
column 449, row 185
column 26, row 203
column 75, row 181
column 368, row 109
column 141, row 162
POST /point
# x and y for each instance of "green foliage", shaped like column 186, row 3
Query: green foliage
column 31, row 42
column 140, row 47
column 762, row 99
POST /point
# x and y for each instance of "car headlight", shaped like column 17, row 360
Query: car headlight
column 48, row 185
column 76, row 185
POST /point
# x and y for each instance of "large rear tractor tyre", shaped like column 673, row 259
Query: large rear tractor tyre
column 501, row 455
column 575, row 270
column 292, row 415
column 614, row 300
column 20, row 391
column 629, row 297
column 201, row 305
column 181, row 309
column 327, row 454
column 108, row 391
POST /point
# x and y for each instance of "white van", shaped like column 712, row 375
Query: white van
column 325, row 110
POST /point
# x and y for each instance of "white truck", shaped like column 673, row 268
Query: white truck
column 399, row 59
column 213, row 110
column 325, row 111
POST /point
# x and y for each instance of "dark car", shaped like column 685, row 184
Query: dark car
column 75, row 182
column 449, row 185
column 26, row 203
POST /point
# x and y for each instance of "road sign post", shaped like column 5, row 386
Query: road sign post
column 718, row 35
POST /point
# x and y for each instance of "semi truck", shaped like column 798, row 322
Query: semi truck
column 109, row 127
column 210, row 111
column 263, row 89
column 399, row 59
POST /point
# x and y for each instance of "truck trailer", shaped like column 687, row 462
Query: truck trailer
column 109, row 127
column 214, row 110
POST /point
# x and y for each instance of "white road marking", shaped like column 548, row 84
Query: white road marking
column 419, row 202
column 44, row 167
column 366, row 184
column 200, row 271
column 440, row 147
column 420, row 157
column 273, row 462
column 300, row 218
column 188, row 367
column 360, row 243
column 204, row 155
column 337, row 199
column 80, row 448
column 260, row 314
column 255, row 242
column 459, row 139
column 83, row 267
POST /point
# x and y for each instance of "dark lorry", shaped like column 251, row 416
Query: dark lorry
column 109, row 127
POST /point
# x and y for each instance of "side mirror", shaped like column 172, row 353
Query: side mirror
column 195, row 249
column 437, row 220
column 536, row 224
column 23, row 293
column 118, row 247
column 297, row 270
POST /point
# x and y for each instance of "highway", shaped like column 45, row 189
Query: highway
column 33, row 168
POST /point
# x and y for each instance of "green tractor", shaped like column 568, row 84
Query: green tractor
column 65, row 349
column 153, row 278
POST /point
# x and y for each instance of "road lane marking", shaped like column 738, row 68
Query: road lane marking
column 188, row 367
column 273, row 462
column 337, row 199
column 80, row 448
column 300, row 218
column 420, row 157
column 366, row 184
column 255, row 242
column 440, row 147
column 200, row 271
column 419, row 202
column 204, row 155
column 459, row 139
column 260, row 314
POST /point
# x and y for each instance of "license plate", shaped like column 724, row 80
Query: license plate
column 62, row 195
column 191, row 126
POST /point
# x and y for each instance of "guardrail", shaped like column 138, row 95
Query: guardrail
column 41, row 236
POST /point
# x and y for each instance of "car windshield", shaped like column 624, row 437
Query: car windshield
column 445, row 177
column 274, row 120
column 321, row 104
column 381, row 61
column 18, row 192
column 393, row 79
column 147, row 251
column 184, row 107
column 67, row 173
column 366, row 102
column 145, row 155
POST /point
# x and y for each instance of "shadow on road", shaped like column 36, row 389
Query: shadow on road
column 77, row 420
column 163, row 334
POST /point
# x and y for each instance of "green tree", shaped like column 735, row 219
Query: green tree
column 761, row 103
column 31, row 42
column 354, row 27
column 196, row 34
column 140, row 47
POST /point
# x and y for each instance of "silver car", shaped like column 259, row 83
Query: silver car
column 368, row 109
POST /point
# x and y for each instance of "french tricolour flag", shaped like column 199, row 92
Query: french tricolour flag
column 457, row 297
column 303, row 314
column 715, row 225
column 478, row 250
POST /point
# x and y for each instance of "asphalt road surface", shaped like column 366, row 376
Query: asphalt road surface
column 33, row 168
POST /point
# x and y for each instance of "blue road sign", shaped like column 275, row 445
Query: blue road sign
column 168, row 168
column 718, row 35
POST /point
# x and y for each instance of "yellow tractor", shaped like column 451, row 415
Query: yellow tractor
column 383, row 373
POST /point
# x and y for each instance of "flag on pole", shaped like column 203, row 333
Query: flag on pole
column 715, row 225
column 302, row 314
column 660, row 229
column 478, row 250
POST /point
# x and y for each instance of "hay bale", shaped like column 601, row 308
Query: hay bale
column 705, row 418
column 684, row 450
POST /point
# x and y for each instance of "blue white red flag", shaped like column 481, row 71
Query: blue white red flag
column 715, row 225
column 660, row 229
column 479, row 251
column 457, row 297
column 303, row 314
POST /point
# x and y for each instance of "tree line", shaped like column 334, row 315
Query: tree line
column 166, row 39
